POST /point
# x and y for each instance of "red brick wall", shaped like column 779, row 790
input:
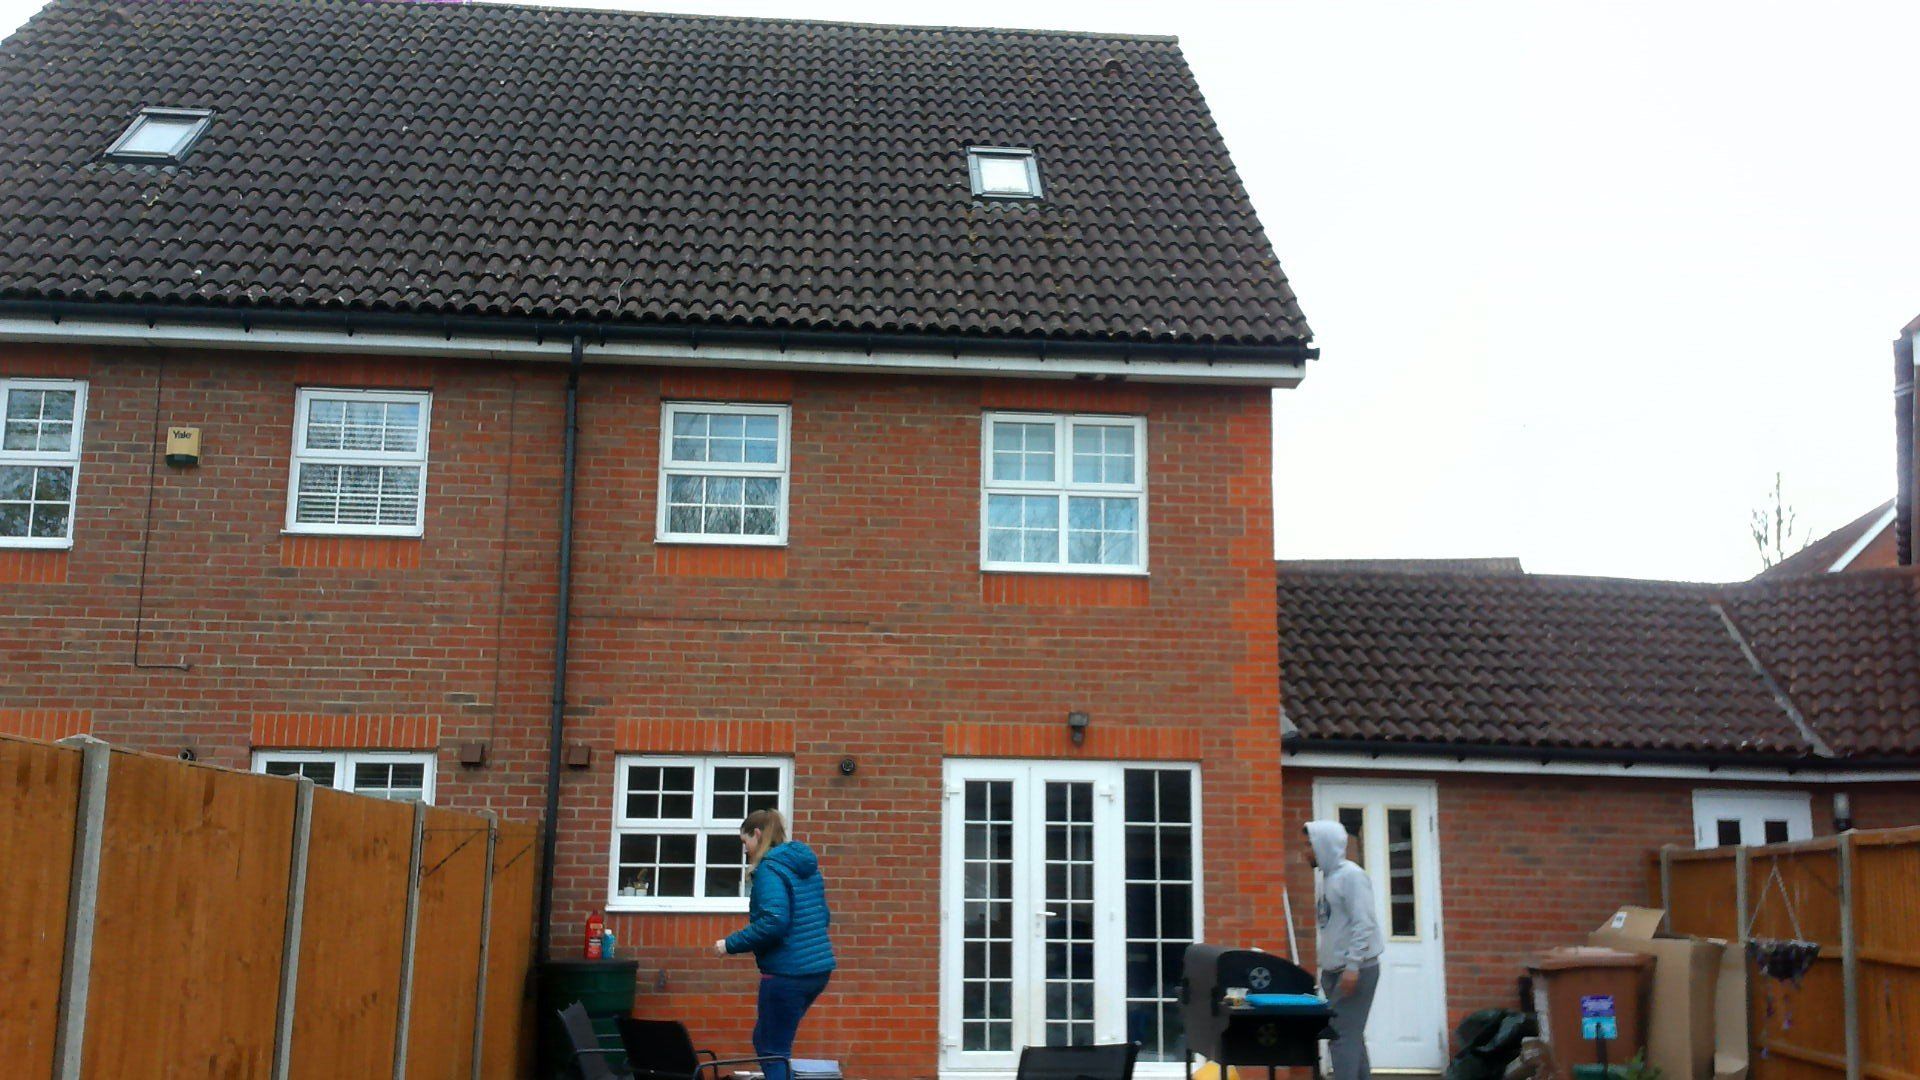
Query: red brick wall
column 874, row 634
column 1528, row 863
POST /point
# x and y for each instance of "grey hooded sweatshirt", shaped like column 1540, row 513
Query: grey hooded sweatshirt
column 1350, row 934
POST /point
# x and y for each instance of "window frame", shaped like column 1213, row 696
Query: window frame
column 976, row 154
column 201, row 119
column 302, row 408
column 698, row 826
column 1064, row 488
column 781, row 468
column 69, row 458
column 343, row 762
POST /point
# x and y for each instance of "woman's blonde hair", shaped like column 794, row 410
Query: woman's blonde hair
column 773, row 832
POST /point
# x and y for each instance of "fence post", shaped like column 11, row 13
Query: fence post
column 1740, row 898
column 486, row 938
column 1666, row 887
column 1849, row 957
column 83, row 900
column 407, row 942
column 296, row 912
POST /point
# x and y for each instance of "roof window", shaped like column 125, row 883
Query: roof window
column 1003, row 172
column 160, row 135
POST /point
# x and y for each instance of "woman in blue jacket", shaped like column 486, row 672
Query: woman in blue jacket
column 786, row 931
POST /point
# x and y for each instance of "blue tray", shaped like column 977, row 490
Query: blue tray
column 1285, row 1002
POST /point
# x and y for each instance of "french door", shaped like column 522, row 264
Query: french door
column 1069, row 891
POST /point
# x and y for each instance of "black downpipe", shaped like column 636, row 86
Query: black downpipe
column 1903, row 448
column 562, row 617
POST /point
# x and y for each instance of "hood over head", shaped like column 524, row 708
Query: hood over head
column 1329, row 840
column 795, row 858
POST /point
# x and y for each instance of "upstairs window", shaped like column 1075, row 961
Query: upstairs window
column 359, row 463
column 160, row 136
column 1003, row 172
column 1064, row 493
column 723, row 475
column 39, row 460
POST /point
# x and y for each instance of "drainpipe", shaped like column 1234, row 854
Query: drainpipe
column 1903, row 448
column 562, row 616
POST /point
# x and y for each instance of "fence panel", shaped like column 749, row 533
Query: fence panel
column 352, row 930
column 1704, row 893
column 506, row 1045
column 446, row 950
column 190, row 925
column 39, row 796
column 1886, row 880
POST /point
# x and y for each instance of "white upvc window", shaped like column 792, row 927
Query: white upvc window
column 1064, row 493
column 359, row 462
column 723, row 473
column 39, row 460
column 405, row 775
column 676, row 829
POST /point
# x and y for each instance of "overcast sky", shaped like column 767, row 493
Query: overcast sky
column 1585, row 274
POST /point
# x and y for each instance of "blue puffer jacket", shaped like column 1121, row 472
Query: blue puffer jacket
column 787, row 918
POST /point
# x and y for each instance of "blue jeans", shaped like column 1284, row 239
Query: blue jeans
column 784, row 999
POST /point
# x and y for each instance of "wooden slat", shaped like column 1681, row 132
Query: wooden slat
column 347, row 1000
column 446, row 955
column 1704, row 901
column 39, row 796
column 191, row 921
column 508, row 1041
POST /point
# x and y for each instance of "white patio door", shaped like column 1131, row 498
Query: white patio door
column 1068, row 893
column 1396, row 839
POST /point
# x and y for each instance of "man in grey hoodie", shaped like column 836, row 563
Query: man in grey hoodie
column 1349, row 945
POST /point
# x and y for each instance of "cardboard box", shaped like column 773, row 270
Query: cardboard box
column 1697, row 1026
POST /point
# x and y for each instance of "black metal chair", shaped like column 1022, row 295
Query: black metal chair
column 663, row 1050
column 1109, row 1061
column 591, row 1060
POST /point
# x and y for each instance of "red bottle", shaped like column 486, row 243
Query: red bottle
column 595, row 924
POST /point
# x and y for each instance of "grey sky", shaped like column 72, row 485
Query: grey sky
column 1585, row 274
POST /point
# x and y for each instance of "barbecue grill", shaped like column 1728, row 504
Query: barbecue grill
column 1244, row 1007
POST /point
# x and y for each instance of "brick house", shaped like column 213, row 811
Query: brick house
column 1510, row 747
column 879, row 417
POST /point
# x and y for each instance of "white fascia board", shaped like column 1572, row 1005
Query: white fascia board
column 1423, row 763
column 1279, row 374
column 1866, row 538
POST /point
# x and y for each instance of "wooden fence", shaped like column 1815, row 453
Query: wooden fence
column 1857, row 1012
column 159, row 918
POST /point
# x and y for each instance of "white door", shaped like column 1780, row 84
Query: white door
column 1395, row 830
column 1068, row 893
column 1725, row 818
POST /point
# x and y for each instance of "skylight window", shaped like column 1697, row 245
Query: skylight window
column 160, row 135
column 1003, row 172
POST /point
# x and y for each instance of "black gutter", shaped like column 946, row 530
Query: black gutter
column 669, row 333
column 1543, row 755
column 562, row 618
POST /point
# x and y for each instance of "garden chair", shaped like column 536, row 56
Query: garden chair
column 589, row 1058
column 663, row 1050
column 1111, row 1061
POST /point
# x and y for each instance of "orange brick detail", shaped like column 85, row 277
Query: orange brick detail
column 703, row 736
column 1065, row 395
column 350, row 552
column 302, row 731
column 1063, row 590
column 45, row 362
column 363, row 373
column 27, row 566
column 720, row 561
column 1113, row 743
column 45, row 724
column 720, row 385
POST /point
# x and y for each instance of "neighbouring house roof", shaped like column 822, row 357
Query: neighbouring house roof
column 1601, row 664
column 1820, row 556
column 481, row 159
column 1498, row 564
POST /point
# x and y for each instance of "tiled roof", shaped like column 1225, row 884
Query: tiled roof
column 1495, row 564
column 1819, row 556
column 482, row 159
column 1602, row 664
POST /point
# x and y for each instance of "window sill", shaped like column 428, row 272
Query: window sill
column 721, row 541
column 630, row 905
column 1067, row 570
column 23, row 544
column 355, row 534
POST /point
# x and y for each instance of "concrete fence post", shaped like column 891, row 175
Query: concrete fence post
column 486, row 939
column 83, row 901
column 290, row 940
column 1742, row 903
column 1849, row 957
column 407, row 942
column 1666, row 887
